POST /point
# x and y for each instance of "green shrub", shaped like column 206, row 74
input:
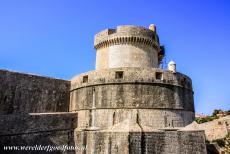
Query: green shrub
column 220, row 142
column 206, row 119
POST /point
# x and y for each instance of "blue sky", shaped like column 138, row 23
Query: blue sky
column 55, row 38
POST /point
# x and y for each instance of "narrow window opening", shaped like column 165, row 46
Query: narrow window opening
column 159, row 76
column 85, row 79
column 114, row 118
column 119, row 75
column 90, row 118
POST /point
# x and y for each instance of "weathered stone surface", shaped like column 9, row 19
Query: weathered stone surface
column 126, row 46
column 24, row 93
column 46, row 138
column 53, row 130
column 15, row 124
column 216, row 129
column 156, row 142
column 155, row 118
column 138, row 88
column 134, row 95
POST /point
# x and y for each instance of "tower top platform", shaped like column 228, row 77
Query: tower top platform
column 127, row 34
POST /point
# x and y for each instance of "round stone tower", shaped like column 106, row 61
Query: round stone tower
column 127, row 83
column 128, row 104
column 127, row 46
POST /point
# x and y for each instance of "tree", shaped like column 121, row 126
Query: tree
column 215, row 112
column 228, row 112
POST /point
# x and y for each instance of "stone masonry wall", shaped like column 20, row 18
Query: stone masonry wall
column 153, row 118
column 126, row 55
column 126, row 46
column 29, row 123
column 48, row 138
column 216, row 129
column 24, row 93
column 158, row 142
column 137, row 88
column 132, row 95
column 127, row 30
column 54, row 129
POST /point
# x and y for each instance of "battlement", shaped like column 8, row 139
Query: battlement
column 125, row 35
column 127, row 46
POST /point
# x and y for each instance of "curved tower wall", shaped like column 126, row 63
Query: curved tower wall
column 126, row 46
column 159, row 102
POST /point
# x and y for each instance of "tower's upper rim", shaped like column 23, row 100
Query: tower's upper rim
column 126, row 31
column 132, row 27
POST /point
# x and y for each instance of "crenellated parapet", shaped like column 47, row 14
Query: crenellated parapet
column 134, row 40
column 138, row 33
column 127, row 46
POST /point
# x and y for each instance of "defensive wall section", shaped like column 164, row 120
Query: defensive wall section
column 34, row 111
column 55, row 129
column 25, row 93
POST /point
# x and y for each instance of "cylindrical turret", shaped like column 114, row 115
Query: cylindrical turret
column 127, row 46
column 172, row 66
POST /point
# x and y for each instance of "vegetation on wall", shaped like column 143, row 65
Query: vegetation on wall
column 215, row 115
column 205, row 119
column 224, row 143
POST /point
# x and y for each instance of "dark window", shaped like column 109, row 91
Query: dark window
column 184, row 80
column 119, row 75
column 159, row 76
column 85, row 79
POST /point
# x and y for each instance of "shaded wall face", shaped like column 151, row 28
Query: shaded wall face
column 37, row 130
column 134, row 95
column 159, row 106
column 163, row 142
column 23, row 93
column 154, row 118
column 126, row 55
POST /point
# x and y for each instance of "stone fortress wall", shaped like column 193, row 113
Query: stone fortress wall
column 216, row 129
column 24, row 93
column 37, row 129
column 34, row 111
